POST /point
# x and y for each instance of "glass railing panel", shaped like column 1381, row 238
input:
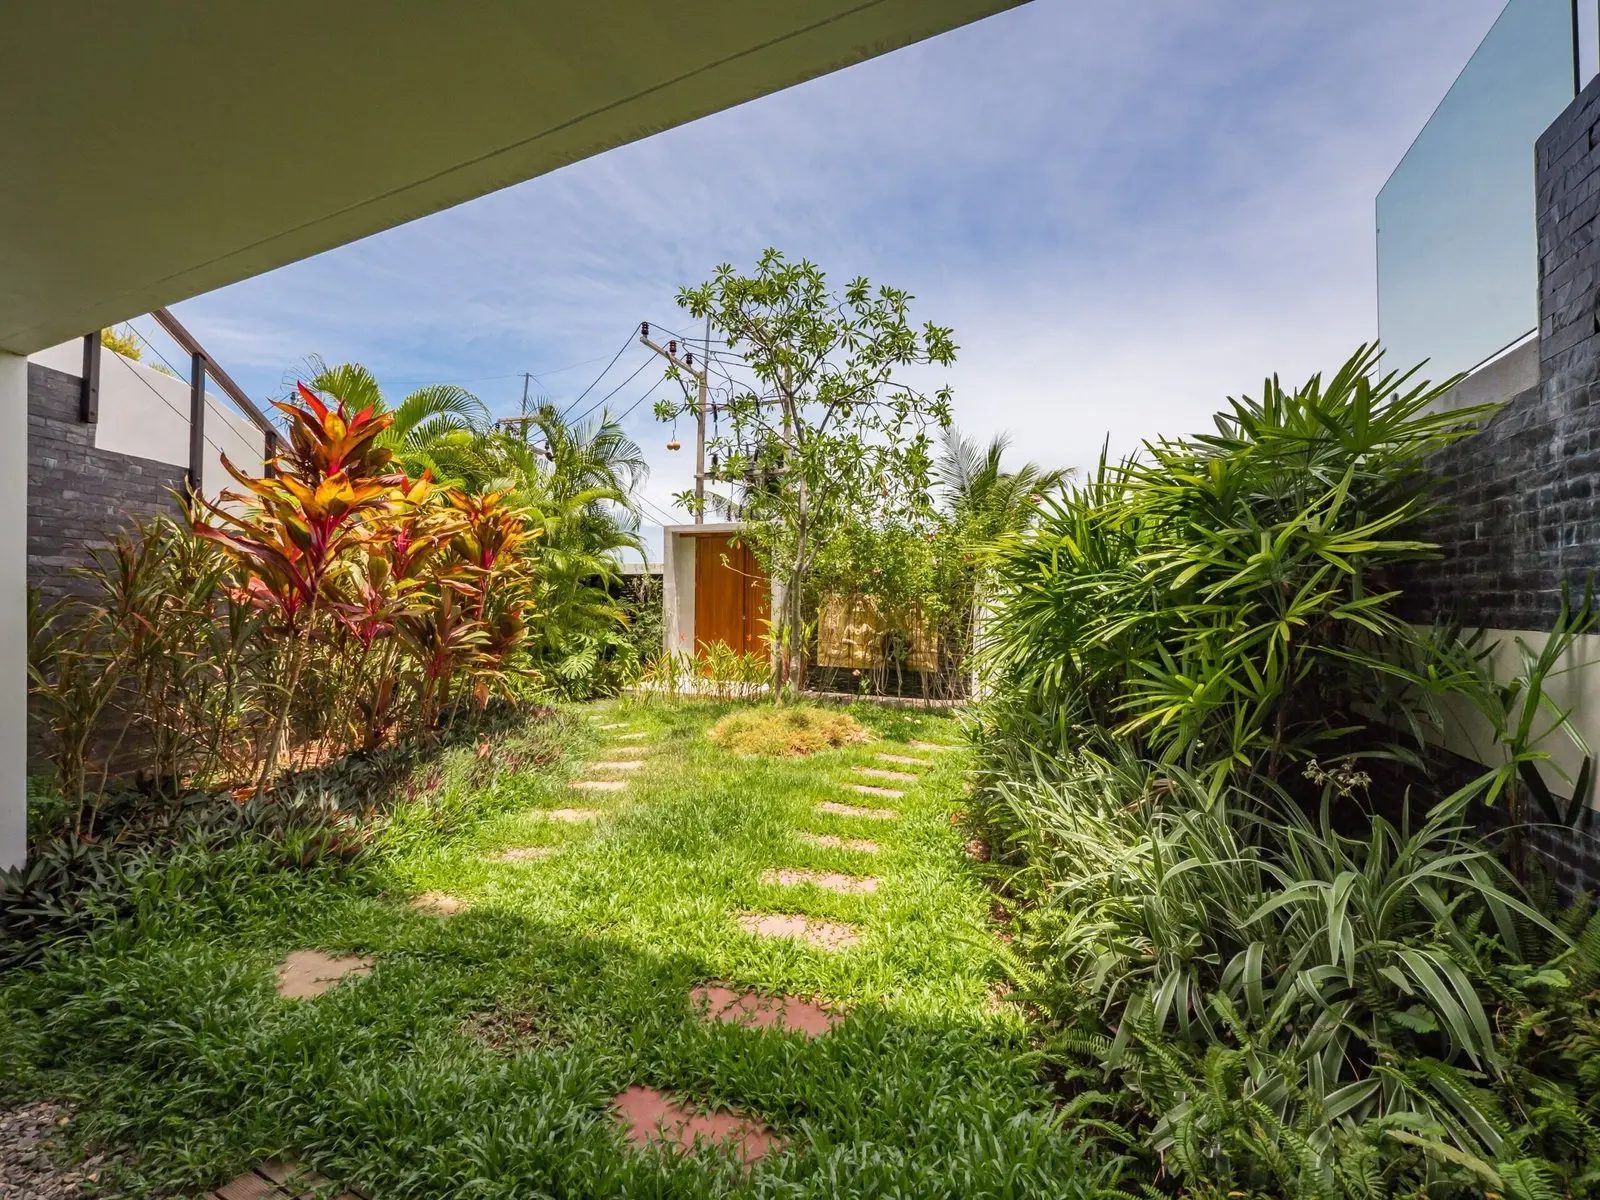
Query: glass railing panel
column 1457, row 250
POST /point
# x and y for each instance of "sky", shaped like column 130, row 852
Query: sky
column 1127, row 212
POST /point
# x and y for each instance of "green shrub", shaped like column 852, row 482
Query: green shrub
column 1219, row 602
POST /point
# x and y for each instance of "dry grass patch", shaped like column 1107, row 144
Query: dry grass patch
column 788, row 732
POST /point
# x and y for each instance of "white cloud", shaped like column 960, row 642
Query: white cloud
column 1126, row 211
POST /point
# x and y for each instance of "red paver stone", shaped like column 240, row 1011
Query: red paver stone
column 439, row 904
column 249, row 1186
column 827, row 935
column 832, row 881
column 850, row 810
column 879, row 773
column 869, row 790
column 904, row 760
column 307, row 973
column 650, row 1117
column 789, row 1013
column 525, row 853
column 860, row 845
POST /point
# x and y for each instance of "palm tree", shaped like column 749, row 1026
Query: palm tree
column 982, row 505
column 437, row 428
column 981, row 495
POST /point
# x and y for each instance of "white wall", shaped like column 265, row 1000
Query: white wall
column 145, row 413
column 13, row 610
column 1574, row 685
column 677, row 588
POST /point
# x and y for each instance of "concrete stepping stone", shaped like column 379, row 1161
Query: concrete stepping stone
column 627, row 764
column 439, row 904
column 525, row 853
column 830, row 881
column 916, row 745
column 880, row 773
column 860, row 845
column 630, row 737
column 650, row 1117
column 904, row 760
column 307, row 973
column 279, row 1180
column 850, row 810
column 869, row 790
column 613, row 725
column 571, row 815
column 827, row 935
column 755, row 1011
column 599, row 785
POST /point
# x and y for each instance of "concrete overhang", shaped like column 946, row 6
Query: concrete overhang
column 150, row 152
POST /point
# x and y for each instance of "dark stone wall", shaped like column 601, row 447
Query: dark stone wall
column 78, row 497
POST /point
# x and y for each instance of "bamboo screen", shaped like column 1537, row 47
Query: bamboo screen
column 850, row 633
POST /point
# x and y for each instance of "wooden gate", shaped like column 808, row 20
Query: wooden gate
column 731, row 594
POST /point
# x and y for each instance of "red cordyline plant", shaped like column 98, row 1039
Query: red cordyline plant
column 387, row 582
column 299, row 522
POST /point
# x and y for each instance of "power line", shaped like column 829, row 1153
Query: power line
column 625, row 344
column 612, row 392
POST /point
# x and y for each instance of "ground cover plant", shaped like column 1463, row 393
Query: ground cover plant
column 789, row 730
column 1272, row 945
column 479, row 1054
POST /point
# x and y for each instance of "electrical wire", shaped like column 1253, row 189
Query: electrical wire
column 626, row 343
column 611, row 393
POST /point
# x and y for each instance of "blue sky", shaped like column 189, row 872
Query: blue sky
column 1127, row 212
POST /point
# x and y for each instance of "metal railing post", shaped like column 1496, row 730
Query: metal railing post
column 197, row 422
column 89, row 397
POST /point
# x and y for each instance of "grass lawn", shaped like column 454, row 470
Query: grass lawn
column 480, row 1054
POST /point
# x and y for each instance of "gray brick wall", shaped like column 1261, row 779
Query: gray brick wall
column 78, row 496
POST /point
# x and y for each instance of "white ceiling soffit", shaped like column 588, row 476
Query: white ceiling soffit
column 150, row 152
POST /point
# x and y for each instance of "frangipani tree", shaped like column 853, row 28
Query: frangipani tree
column 820, row 426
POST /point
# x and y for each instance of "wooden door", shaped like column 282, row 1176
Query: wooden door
column 730, row 595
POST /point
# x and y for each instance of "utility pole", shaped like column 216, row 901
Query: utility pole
column 686, row 364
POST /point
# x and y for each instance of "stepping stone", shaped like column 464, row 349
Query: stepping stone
column 599, row 785
column 629, row 737
column 616, row 725
column 916, row 745
column 880, row 773
column 650, row 1117
column 831, row 881
column 277, row 1181
column 525, row 853
column 438, row 904
column 828, row 935
column 861, row 845
column 307, row 973
column 632, row 764
column 867, row 790
column 850, row 810
column 903, row 759
column 755, row 1011
column 572, row 815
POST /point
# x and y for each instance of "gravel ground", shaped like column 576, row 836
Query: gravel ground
column 29, row 1152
